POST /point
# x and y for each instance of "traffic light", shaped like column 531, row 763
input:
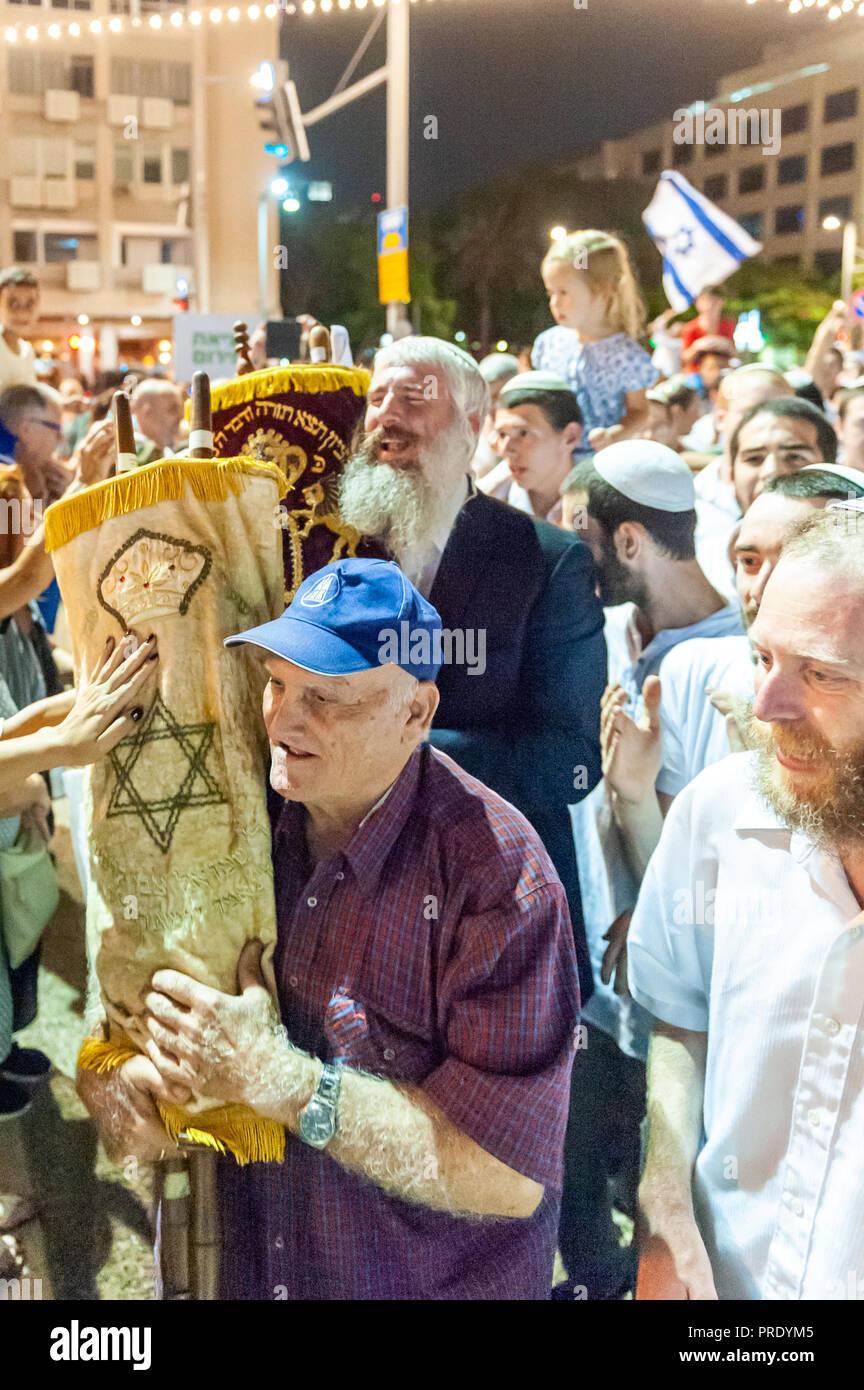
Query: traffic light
column 283, row 119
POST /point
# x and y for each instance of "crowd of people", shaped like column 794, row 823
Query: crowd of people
column 638, row 998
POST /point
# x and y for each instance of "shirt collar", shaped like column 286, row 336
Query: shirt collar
column 378, row 831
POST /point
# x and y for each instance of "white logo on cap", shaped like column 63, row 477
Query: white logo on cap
column 324, row 591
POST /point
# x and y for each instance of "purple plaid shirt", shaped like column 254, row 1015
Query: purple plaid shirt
column 435, row 951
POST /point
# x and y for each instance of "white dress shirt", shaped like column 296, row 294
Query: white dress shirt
column 606, row 879
column 694, row 732
column 746, row 931
column 420, row 563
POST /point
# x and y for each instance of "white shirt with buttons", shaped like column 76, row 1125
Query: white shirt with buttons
column 746, row 931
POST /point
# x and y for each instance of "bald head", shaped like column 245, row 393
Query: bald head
column 158, row 409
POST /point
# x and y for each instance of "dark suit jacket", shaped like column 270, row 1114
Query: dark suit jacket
column 531, row 721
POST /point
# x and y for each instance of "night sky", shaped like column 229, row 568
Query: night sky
column 518, row 81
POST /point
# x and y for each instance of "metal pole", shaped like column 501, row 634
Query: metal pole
column 398, row 117
column 850, row 251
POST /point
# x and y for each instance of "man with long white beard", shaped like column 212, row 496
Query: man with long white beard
column 747, row 947
column 522, row 680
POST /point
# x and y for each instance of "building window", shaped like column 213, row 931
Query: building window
column 716, row 187
column 828, row 262
column 179, row 166
column 788, row 220
column 792, row 169
column 55, row 159
column 25, row 157
column 682, row 154
column 81, row 74
column 839, row 106
column 151, row 168
column 24, row 246
column 752, row 224
column 650, row 161
column 85, row 161
column 835, row 207
column 751, row 178
column 838, row 159
column 794, row 119
column 71, row 246
column 712, row 150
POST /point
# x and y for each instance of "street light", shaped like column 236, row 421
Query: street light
column 557, row 233
column 851, row 251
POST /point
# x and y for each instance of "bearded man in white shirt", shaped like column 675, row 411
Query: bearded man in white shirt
column 747, row 947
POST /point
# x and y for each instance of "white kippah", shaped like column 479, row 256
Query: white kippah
column 648, row 473
column 534, row 381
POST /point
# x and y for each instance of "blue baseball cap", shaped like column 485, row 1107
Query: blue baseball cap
column 354, row 615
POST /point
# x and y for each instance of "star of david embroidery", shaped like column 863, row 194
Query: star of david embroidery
column 163, row 752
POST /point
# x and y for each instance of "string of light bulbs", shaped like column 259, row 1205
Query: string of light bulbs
column 835, row 9
column 171, row 22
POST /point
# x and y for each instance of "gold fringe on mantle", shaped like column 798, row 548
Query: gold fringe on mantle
column 208, row 480
column 312, row 379
column 233, row 1129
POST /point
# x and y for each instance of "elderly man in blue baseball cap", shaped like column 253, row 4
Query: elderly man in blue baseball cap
column 426, row 978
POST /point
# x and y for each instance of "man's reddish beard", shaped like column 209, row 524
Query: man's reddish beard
column 826, row 803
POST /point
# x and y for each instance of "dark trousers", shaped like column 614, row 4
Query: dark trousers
column 601, row 1165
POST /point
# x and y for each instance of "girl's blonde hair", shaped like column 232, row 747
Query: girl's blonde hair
column 604, row 262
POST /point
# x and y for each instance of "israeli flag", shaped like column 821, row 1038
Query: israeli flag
column 700, row 244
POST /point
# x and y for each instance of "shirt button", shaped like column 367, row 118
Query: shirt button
column 832, row 1027
column 389, row 1054
column 311, row 902
column 294, row 982
column 798, row 1207
column 340, row 876
column 813, row 1118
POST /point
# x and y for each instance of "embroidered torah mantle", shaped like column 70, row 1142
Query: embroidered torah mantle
column 301, row 418
column 180, row 869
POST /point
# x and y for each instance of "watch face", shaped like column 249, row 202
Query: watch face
column 317, row 1124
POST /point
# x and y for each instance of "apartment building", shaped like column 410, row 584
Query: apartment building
column 783, row 198
column 131, row 166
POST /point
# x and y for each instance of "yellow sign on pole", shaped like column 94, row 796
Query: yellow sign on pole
column 393, row 282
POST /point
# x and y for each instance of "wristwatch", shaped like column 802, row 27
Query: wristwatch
column 318, row 1118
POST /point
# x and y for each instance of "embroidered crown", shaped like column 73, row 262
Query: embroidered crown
column 152, row 576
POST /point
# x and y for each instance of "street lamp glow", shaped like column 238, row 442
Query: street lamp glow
column 155, row 21
column 115, row 25
column 32, row 32
column 831, row 224
column 195, row 17
column 83, row 319
column 165, row 345
column 74, row 30
column 254, row 12
column 291, row 204
column 53, row 31
column 135, row 320
column 460, row 337
column 502, row 345
column 95, row 26
column 279, row 187
column 233, row 14
column 558, row 233
column 215, row 16
column 176, row 19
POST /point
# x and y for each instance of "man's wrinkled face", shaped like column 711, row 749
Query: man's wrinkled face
column 768, row 446
column 756, row 549
column 334, row 738
column 851, row 431
column 538, row 456
column 19, row 308
column 810, row 701
column 407, row 408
